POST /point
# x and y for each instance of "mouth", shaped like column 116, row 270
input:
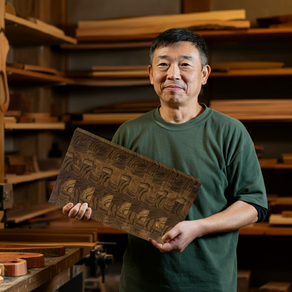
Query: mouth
column 173, row 87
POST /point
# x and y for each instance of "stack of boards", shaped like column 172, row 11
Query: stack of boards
column 148, row 27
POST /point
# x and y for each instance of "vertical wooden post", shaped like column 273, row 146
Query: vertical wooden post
column 2, row 133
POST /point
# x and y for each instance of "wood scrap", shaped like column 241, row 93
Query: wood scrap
column 287, row 214
column 279, row 219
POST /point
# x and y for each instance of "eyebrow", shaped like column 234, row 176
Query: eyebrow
column 190, row 58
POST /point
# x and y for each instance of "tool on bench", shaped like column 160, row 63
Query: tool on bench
column 98, row 259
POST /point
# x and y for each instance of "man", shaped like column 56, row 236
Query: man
column 198, row 254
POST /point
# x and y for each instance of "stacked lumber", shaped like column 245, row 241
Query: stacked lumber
column 150, row 26
column 278, row 21
column 21, row 164
column 227, row 66
column 255, row 109
column 112, row 75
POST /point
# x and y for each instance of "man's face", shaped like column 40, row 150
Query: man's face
column 176, row 73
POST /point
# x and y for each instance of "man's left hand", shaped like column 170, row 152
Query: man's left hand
column 179, row 237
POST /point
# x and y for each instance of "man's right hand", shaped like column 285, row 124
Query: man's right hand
column 79, row 212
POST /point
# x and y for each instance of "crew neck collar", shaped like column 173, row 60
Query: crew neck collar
column 183, row 126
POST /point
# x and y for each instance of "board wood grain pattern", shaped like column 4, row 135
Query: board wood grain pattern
column 125, row 190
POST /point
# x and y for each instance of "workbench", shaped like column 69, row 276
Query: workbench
column 56, row 272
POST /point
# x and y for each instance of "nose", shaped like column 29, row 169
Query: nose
column 173, row 72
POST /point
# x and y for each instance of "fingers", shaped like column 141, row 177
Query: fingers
column 79, row 211
column 67, row 208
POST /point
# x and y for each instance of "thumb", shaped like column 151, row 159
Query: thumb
column 171, row 234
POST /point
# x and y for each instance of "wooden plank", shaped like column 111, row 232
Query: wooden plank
column 27, row 32
column 124, row 189
column 102, row 34
column 226, row 66
column 20, row 215
column 116, row 118
column 58, row 230
column 264, row 228
column 276, row 287
column 47, row 251
column 45, row 237
column 31, row 177
column 278, row 19
column 175, row 19
column 35, row 126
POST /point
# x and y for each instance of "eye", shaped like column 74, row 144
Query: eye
column 185, row 64
column 162, row 65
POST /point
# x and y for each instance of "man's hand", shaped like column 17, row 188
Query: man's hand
column 179, row 237
column 79, row 212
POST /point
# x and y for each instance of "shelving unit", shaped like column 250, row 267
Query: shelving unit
column 22, row 32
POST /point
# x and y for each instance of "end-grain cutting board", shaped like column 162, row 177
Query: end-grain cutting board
column 16, row 263
column 125, row 190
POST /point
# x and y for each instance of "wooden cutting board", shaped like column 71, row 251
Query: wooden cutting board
column 47, row 251
column 16, row 263
column 125, row 190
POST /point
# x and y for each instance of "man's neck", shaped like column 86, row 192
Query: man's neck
column 180, row 114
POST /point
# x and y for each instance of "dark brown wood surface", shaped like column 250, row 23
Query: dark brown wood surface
column 125, row 190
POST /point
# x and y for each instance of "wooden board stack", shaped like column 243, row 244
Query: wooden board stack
column 124, row 189
column 248, row 109
column 150, row 26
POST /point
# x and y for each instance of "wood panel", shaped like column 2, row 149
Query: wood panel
column 124, row 189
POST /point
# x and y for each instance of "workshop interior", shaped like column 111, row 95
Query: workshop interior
column 71, row 73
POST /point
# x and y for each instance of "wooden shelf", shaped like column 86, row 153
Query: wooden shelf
column 16, row 179
column 253, row 72
column 111, row 82
column 265, row 228
column 35, row 126
column 20, row 31
column 144, row 41
column 17, row 216
column 277, row 166
column 23, row 77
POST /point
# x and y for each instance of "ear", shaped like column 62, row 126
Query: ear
column 150, row 72
column 205, row 74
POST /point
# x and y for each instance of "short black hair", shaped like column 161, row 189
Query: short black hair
column 174, row 35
